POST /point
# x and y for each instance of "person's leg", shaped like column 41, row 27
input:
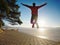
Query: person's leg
column 32, row 21
column 33, row 25
column 36, row 22
column 37, row 25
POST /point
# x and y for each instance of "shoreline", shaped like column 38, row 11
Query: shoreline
column 14, row 37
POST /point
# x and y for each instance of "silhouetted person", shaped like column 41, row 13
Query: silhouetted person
column 34, row 12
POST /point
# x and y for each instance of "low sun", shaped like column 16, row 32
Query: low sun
column 42, row 23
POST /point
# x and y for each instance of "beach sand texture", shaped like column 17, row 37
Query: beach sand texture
column 11, row 37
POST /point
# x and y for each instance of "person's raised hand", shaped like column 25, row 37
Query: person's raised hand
column 45, row 3
column 21, row 3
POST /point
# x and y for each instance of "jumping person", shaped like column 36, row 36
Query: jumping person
column 34, row 12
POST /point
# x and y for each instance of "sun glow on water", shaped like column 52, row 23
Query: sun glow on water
column 43, row 37
column 42, row 29
column 42, row 32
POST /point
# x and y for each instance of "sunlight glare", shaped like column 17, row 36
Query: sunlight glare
column 43, row 37
column 42, row 23
column 42, row 29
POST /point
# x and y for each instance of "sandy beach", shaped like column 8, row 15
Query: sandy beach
column 11, row 37
column 49, row 33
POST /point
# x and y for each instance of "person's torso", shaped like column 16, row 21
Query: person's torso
column 34, row 10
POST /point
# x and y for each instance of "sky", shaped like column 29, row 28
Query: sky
column 48, row 15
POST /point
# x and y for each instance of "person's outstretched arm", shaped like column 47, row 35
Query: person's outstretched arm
column 25, row 5
column 42, row 5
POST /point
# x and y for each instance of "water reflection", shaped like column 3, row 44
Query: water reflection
column 42, row 32
column 42, row 29
column 42, row 37
column 49, row 33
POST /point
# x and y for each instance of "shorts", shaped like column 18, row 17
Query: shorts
column 34, row 19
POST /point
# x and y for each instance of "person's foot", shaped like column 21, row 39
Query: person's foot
column 37, row 25
column 33, row 26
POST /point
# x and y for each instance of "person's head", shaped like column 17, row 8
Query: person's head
column 34, row 4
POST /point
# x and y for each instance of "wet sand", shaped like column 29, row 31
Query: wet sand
column 11, row 37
